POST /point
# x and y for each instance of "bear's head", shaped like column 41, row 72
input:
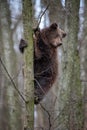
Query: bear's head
column 51, row 36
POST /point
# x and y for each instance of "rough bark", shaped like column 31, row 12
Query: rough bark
column 10, row 109
column 84, row 64
column 28, row 69
column 71, row 76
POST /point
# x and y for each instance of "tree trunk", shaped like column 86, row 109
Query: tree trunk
column 71, row 76
column 28, row 72
column 10, row 112
column 84, row 63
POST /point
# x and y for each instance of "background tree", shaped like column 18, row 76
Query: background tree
column 72, row 67
column 83, row 56
column 68, row 107
column 65, row 106
column 10, row 107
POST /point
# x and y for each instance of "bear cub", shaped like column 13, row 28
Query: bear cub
column 46, row 42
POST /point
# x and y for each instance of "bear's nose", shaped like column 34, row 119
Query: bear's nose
column 60, row 44
column 64, row 34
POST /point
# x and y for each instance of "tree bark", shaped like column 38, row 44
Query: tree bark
column 10, row 108
column 71, row 79
column 84, row 63
column 28, row 69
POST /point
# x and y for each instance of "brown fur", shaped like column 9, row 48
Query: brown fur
column 46, row 42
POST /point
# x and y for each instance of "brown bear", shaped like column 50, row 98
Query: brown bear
column 46, row 42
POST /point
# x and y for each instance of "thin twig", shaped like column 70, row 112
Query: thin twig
column 14, row 85
column 49, row 116
column 83, row 80
column 58, row 115
column 39, row 86
column 42, row 15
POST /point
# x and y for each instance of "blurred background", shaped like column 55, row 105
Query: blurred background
column 65, row 106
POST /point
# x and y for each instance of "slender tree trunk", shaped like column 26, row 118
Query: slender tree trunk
column 84, row 64
column 71, row 77
column 29, row 86
column 10, row 108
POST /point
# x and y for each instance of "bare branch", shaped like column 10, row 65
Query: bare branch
column 39, row 85
column 49, row 116
column 83, row 80
column 42, row 15
column 14, row 85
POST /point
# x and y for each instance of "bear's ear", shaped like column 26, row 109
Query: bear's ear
column 36, row 30
column 54, row 26
column 23, row 44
